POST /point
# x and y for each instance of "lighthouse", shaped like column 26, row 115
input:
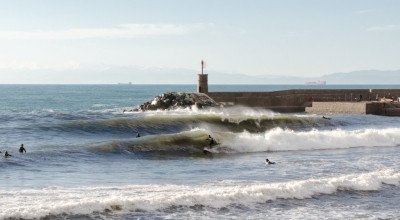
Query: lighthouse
column 202, row 80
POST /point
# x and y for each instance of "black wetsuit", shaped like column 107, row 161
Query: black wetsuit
column 211, row 141
column 269, row 162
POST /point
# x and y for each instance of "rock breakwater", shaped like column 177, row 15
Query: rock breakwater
column 176, row 100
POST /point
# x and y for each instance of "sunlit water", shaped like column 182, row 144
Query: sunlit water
column 83, row 160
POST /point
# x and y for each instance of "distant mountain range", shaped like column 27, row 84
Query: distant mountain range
column 116, row 75
column 364, row 77
column 356, row 77
column 184, row 76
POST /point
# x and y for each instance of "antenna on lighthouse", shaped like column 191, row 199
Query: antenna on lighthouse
column 203, row 66
column 202, row 85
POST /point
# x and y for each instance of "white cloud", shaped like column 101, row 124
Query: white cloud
column 122, row 31
column 391, row 27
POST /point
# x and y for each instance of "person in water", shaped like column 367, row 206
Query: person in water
column 6, row 154
column 22, row 149
column 137, row 135
column 210, row 140
column 326, row 118
column 268, row 162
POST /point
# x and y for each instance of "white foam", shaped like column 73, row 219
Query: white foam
column 237, row 111
column 279, row 139
column 37, row 203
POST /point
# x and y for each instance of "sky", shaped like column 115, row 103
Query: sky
column 44, row 41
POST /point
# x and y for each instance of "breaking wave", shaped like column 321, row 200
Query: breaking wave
column 119, row 200
column 235, row 120
column 166, row 123
column 276, row 139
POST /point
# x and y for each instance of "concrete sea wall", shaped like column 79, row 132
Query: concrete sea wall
column 298, row 100
column 375, row 108
column 337, row 108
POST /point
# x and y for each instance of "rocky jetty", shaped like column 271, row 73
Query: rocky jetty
column 176, row 100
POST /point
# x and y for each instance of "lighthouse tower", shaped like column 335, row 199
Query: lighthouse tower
column 202, row 80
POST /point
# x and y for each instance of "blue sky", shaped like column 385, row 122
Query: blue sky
column 254, row 37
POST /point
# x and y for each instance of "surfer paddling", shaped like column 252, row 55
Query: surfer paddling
column 6, row 154
column 326, row 118
column 268, row 162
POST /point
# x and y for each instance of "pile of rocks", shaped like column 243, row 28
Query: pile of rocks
column 175, row 100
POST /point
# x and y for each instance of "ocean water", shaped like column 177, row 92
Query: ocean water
column 84, row 161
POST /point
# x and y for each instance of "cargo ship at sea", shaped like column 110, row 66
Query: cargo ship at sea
column 315, row 83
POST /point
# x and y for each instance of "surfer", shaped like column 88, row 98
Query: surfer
column 22, row 149
column 6, row 154
column 211, row 141
column 268, row 162
column 207, row 150
column 326, row 118
column 137, row 135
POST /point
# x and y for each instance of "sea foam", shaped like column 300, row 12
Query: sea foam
column 279, row 139
column 37, row 203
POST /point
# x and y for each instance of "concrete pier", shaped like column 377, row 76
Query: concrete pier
column 321, row 101
column 374, row 108
column 337, row 108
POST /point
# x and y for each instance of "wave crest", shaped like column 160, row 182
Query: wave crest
column 121, row 199
column 277, row 139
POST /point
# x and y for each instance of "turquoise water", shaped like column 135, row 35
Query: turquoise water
column 84, row 161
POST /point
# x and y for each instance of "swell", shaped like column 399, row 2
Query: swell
column 59, row 201
column 188, row 143
column 152, row 124
column 277, row 139
column 105, row 124
column 191, row 143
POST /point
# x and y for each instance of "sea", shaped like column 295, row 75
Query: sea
column 84, row 161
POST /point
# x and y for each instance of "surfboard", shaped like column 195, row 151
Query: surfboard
column 207, row 150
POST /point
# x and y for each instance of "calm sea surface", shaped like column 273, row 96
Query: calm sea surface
column 84, row 161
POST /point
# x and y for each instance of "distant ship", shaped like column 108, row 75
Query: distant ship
column 129, row 83
column 315, row 83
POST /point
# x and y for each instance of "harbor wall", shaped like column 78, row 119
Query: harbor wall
column 298, row 100
column 375, row 108
column 337, row 108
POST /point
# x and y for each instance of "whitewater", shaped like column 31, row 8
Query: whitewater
column 84, row 161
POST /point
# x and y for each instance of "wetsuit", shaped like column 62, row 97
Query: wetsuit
column 211, row 141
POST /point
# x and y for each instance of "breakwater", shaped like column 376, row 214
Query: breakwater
column 374, row 108
column 355, row 101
